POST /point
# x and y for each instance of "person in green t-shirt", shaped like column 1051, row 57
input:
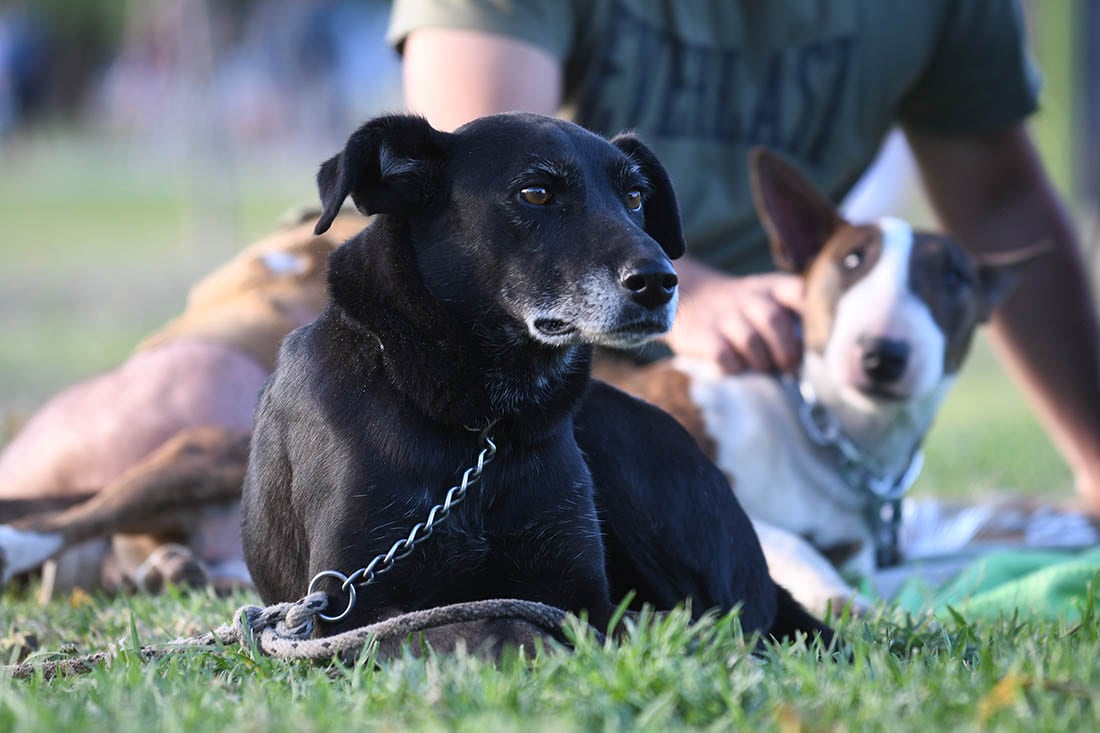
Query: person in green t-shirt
column 821, row 82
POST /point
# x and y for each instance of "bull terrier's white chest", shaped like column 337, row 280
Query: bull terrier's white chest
column 777, row 474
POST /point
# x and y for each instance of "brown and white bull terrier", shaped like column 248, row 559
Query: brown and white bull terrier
column 821, row 460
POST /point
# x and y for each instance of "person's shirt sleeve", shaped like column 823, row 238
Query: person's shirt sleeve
column 979, row 77
column 547, row 24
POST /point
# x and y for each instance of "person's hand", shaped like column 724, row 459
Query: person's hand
column 1087, row 482
column 744, row 324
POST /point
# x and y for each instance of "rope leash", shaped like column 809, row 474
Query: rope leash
column 285, row 631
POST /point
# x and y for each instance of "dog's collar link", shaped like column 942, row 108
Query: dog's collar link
column 421, row 531
column 883, row 494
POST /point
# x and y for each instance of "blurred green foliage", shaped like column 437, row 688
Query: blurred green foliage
column 1057, row 53
column 86, row 21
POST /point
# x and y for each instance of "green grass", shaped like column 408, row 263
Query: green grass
column 666, row 675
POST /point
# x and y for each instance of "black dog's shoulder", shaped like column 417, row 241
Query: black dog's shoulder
column 321, row 371
column 621, row 427
column 303, row 402
column 674, row 529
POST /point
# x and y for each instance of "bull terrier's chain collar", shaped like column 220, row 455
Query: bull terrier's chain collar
column 883, row 494
column 384, row 562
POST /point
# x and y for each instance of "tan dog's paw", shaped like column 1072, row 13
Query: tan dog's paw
column 170, row 564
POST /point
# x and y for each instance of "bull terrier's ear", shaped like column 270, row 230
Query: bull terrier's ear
column 1000, row 272
column 798, row 218
column 662, row 215
column 388, row 165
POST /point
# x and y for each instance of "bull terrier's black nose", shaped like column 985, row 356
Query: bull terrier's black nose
column 650, row 283
column 884, row 360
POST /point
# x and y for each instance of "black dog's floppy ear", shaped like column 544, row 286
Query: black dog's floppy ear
column 662, row 215
column 388, row 165
column 798, row 218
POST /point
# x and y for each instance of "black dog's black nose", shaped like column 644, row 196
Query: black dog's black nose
column 650, row 283
column 884, row 360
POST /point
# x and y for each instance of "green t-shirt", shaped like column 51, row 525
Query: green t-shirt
column 822, row 81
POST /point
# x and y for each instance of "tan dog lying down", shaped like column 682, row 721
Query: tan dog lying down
column 163, row 437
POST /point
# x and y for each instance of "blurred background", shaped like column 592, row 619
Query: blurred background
column 143, row 142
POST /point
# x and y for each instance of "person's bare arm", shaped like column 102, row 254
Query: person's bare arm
column 453, row 76
column 992, row 193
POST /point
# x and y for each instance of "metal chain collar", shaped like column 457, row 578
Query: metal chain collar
column 402, row 548
column 884, row 494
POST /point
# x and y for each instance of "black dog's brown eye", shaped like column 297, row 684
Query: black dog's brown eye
column 633, row 200
column 536, row 195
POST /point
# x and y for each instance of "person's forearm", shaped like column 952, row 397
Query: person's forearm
column 1047, row 332
column 994, row 196
column 454, row 76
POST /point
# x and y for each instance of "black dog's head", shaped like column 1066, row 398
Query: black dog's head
column 566, row 235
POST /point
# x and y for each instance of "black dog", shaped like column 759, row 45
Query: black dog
column 502, row 253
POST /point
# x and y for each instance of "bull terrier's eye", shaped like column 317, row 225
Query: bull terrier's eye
column 633, row 200
column 853, row 259
column 954, row 278
column 536, row 195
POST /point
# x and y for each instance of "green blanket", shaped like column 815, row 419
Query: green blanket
column 1047, row 584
